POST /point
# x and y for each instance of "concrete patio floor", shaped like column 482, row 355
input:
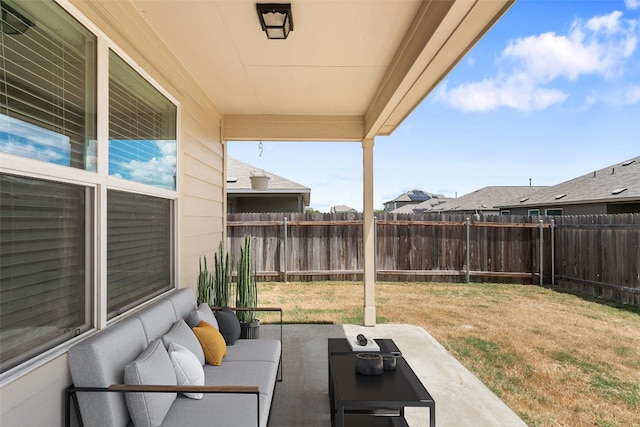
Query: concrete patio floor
column 301, row 399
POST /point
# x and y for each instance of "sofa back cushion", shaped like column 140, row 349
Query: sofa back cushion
column 152, row 367
column 99, row 361
column 157, row 319
column 183, row 301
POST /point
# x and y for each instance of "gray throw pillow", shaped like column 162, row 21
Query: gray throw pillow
column 203, row 312
column 228, row 325
column 181, row 333
column 152, row 367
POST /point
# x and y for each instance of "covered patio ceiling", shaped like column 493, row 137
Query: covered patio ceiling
column 349, row 71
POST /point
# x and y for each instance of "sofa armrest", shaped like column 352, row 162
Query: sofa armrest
column 129, row 388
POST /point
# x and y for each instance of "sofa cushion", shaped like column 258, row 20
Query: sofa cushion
column 181, row 333
column 203, row 312
column 228, row 324
column 183, row 301
column 212, row 343
column 157, row 319
column 99, row 361
column 187, row 367
column 152, row 367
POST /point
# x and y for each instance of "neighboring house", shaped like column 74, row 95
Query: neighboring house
column 342, row 208
column 611, row 190
column 485, row 201
column 281, row 194
column 412, row 198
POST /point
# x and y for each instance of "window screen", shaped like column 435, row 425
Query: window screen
column 45, row 278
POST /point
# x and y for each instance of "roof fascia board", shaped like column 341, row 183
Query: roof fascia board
column 439, row 37
column 247, row 127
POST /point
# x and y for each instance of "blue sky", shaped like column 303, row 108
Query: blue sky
column 550, row 93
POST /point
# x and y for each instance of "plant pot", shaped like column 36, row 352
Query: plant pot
column 250, row 330
column 259, row 182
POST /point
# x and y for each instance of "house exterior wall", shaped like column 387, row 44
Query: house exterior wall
column 265, row 204
column 35, row 396
column 581, row 209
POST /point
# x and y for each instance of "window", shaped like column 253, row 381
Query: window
column 47, row 86
column 553, row 212
column 45, row 275
column 49, row 215
column 505, row 212
column 142, row 129
column 142, row 148
column 534, row 212
column 139, row 255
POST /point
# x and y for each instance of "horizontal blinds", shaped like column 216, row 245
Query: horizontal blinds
column 138, row 249
column 43, row 285
column 46, row 81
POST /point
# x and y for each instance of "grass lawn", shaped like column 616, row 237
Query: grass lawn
column 554, row 358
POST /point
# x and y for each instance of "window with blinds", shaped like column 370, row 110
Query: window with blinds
column 45, row 274
column 138, row 249
column 142, row 129
column 47, row 85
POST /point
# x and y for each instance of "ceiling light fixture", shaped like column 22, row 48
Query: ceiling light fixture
column 275, row 19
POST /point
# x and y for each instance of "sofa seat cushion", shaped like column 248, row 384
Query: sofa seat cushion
column 152, row 367
column 261, row 350
column 260, row 374
column 218, row 410
column 187, row 367
column 203, row 312
column 181, row 333
column 212, row 342
column 228, row 324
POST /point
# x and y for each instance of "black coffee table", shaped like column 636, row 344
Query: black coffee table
column 377, row 400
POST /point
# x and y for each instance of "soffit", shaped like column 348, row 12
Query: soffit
column 365, row 63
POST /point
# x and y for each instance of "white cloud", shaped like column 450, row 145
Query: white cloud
column 159, row 170
column 529, row 65
column 632, row 4
column 632, row 96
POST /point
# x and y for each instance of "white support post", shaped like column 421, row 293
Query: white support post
column 368, row 234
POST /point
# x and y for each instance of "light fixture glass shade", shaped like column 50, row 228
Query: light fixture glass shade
column 275, row 19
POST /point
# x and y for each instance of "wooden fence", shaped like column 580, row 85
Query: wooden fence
column 599, row 255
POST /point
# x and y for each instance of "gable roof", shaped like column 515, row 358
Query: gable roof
column 415, row 196
column 482, row 200
column 239, row 182
column 615, row 183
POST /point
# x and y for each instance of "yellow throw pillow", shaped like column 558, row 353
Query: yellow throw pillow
column 212, row 343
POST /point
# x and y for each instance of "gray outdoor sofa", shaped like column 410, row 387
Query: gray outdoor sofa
column 238, row 392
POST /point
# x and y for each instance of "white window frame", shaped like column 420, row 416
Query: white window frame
column 100, row 181
column 546, row 212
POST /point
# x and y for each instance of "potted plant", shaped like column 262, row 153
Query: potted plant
column 247, row 292
column 205, row 283
column 221, row 278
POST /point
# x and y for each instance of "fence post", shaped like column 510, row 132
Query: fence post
column 284, row 225
column 541, row 222
column 468, row 248
column 375, row 248
column 553, row 253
